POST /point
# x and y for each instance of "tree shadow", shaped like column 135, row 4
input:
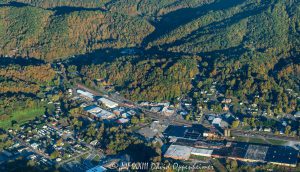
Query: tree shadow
column 140, row 152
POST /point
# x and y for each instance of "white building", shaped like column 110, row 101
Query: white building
column 108, row 103
column 297, row 114
column 93, row 109
column 178, row 152
column 217, row 121
column 201, row 152
column 99, row 112
column 104, row 114
column 34, row 145
column 122, row 120
column 85, row 94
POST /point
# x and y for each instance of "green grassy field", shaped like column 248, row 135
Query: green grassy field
column 260, row 140
column 22, row 116
column 202, row 158
column 277, row 142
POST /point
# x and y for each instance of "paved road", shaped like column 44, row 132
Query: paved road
column 73, row 158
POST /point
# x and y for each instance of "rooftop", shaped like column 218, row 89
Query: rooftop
column 92, row 109
column 99, row 112
column 297, row 114
column 282, row 154
column 178, row 152
column 108, row 102
column 256, row 152
column 201, row 152
column 191, row 133
column 85, row 94
column 217, row 121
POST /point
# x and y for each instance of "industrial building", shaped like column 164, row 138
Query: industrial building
column 108, row 102
column 182, row 132
column 99, row 112
column 149, row 132
column 282, row 155
column 178, row 152
column 201, row 152
column 85, row 94
column 92, row 109
column 217, row 122
column 256, row 153
column 182, row 148
column 278, row 155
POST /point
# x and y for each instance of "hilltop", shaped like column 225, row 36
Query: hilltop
column 248, row 48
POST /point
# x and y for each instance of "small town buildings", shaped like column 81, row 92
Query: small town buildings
column 108, row 102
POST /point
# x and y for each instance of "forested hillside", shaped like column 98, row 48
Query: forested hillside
column 133, row 7
column 247, row 47
column 250, row 25
column 156, row 79
column 57, row 3
column 42, row 34
column 25, row 79
column 24, row 83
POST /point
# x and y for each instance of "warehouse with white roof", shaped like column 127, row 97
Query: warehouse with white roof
column 108, row 102
column 85, row 94
column 178, row 152
column 201, row 152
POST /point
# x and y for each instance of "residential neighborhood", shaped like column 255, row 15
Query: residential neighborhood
column 51, row 141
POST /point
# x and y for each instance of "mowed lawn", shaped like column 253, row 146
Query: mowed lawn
column 22, row 116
